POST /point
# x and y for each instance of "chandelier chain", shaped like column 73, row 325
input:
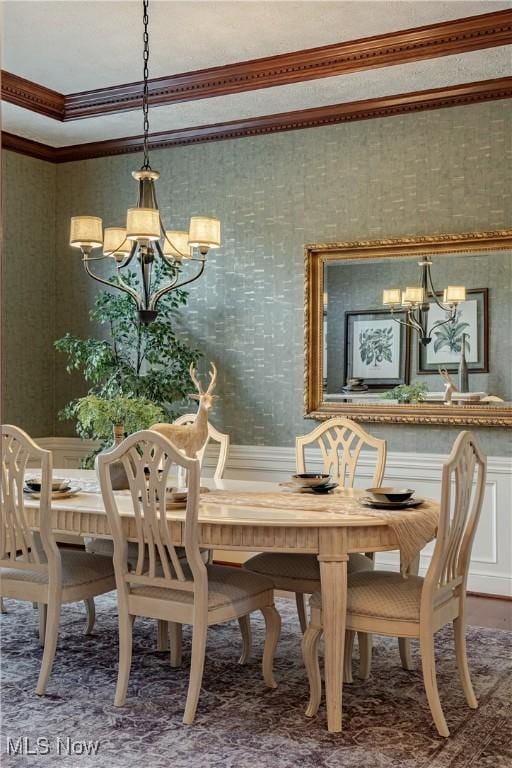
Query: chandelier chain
column 145, row 94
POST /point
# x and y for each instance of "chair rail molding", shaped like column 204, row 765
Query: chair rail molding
column 491, row 563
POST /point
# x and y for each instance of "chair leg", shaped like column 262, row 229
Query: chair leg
column 300, row 599
column 50, row 642
column 196, row 671
column 244, row 623
column 2, row 606
column 310, row 653
column 365, row 643
column 273, row 630
column 404, row 647
column 125, row 656
column 428, row 664
column 347, row 660
column 162, row 635
column 90, row 609
column 175, row 632
column 459, row 629
column 41, row 607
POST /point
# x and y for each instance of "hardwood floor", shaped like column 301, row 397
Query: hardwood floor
column 489, row 612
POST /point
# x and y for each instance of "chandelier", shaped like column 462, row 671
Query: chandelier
column 416, row 303
column 145, row 240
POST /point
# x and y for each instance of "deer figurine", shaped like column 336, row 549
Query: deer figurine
column 449, row 386
column 190, row 438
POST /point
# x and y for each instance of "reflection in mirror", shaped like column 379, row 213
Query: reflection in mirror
column 372, row 354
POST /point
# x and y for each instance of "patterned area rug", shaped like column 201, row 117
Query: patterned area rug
column 240, row 724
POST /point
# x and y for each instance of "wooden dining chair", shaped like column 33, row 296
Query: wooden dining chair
column 32, row 566
column 340, row 442
column 385, row 603
column 164, row 631
column 162, row 586
column 105, row 546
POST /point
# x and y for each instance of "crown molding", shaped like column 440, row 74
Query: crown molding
column 441, row 39
column 32, row 96
column 387, row 106
column 28, row 147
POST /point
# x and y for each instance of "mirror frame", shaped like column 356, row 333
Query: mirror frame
column 315, row 257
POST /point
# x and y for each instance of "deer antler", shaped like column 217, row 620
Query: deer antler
column 192, row 371
column 213, row 378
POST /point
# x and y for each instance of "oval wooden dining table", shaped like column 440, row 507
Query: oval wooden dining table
column 329, row 535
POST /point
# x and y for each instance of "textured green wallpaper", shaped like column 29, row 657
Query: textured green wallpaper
column 28, row 292
column 441, row 171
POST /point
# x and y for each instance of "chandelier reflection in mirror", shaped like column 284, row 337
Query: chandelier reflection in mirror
column 145, row 238
column 416, row 302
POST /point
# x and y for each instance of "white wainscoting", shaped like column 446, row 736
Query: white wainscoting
column 491, row 564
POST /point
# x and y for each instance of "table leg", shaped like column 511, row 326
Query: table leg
column 333, row 577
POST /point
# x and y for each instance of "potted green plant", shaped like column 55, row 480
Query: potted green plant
column 138, row 374
column 407, row 393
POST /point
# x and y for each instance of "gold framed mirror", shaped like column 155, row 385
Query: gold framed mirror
column 365, row 361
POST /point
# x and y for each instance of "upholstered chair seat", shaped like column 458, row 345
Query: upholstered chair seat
column 78, row 568
column 226, row 587
column 381, row 594
column 299, row 573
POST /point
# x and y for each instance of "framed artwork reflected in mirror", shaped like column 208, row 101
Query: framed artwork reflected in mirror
column 445, row 348
column 376, row 348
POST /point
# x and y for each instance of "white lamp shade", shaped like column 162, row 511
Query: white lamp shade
column 391, row 296
column 115, row 242
column 204, row 232
column 86, row 231
column 413, row 295
column 176, row 244
column 143, row 224
column 454, row 294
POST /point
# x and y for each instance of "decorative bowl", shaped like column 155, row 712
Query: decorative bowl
column 58, row 484
column 310, row 479
column 391, row 494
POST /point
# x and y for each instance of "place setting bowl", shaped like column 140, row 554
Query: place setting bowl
column 391, row 498
column 62, row 488
column 176, row 498
column 313, row 482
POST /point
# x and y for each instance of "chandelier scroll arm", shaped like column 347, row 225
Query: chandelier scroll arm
column 120, row 285
column 127, row 288
column 411, row 322
column 439, row 323
column 158, row 295
column 433, row 293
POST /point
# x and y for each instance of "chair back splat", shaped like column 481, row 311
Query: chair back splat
column 148, row 457
column 340, row 442
column 15, row 534
column 462, row 492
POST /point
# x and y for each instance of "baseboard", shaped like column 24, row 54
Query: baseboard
column 491, row 564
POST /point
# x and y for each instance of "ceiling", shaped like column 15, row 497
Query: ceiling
column 75, row 45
